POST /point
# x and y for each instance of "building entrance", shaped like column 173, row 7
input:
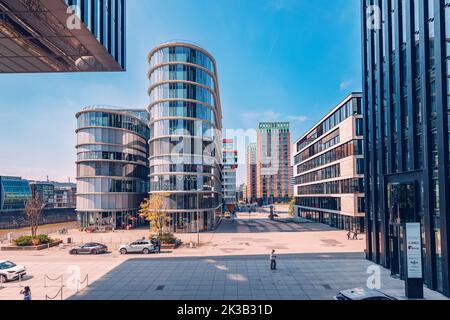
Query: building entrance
column 401, row 210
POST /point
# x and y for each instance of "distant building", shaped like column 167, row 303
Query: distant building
column 45, row 192
column 329, row 166
column 14, row 193
column 65, row 197
column 251, row 173
column 241, row 193
column 230, row 165
column 46, row 36
column 273, row 158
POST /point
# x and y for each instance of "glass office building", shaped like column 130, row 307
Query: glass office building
column 185, row 143
column 406, row 65
column 112, row 167
column 62, row 36
column 14, row 193
column 45, row 192
column 329, row 168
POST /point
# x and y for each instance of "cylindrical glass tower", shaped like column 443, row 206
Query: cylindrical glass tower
column 185, row 142
column 112, row 166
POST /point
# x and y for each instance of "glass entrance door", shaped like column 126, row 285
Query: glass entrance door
column 401, row 209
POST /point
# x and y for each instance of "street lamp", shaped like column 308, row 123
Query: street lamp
column 198, row 217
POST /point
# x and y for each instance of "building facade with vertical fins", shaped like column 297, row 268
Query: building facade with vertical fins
column 406, row 66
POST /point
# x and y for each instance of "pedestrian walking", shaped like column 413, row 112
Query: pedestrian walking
column 355, row 235
column 158, row 246
column 349, row 235
column 273, row 261
column 26, row 292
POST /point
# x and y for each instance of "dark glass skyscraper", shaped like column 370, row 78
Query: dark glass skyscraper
column 47, row 36
column 406, row 66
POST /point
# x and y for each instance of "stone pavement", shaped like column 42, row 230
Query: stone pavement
column 315, row 262
column 299, row 277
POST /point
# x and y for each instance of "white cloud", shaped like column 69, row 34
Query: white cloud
column 271, row 115
column 345, row 84
column 298, row 118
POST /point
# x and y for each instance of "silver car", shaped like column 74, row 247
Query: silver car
column 138, row 246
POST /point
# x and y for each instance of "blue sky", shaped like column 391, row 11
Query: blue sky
column 278, row 60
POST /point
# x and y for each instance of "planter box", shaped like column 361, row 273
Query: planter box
column 31, row 248
column 169, row 246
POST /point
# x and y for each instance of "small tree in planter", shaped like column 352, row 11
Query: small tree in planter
column 292, row 208
column 33, row 211
column 153, row 209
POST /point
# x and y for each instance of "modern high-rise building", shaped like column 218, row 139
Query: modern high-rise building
column 251, row 173
column 406, row 65
column 112, row 166
column 14, row 193
column 230, row 165
column 186, row 140
column 273, row 161
column 329, row 168
column 62, row 35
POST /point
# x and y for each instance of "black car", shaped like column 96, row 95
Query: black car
column 361, row 294
column 90, row 248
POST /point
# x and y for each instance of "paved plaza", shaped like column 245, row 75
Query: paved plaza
column 314, row 262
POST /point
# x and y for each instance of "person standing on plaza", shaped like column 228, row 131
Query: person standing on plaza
column 158, row 246
column 273, row 261
column 355, row 235
column 26, row 292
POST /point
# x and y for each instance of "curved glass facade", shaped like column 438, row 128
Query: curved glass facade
column 185, row 142
column 112, row 167
column 182, row 109
column 181, row 90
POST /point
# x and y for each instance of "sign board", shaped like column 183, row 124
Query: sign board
column 414, row 251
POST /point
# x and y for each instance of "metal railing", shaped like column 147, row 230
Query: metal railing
column 60, row 278
column 79, row 283
column 58, row 294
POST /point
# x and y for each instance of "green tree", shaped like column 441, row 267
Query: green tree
column 154, row 210
column 291, row 209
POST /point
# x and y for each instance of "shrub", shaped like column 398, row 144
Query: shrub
column 44, row 239
column 23, row 241
column 167, row 238
column 27, row 241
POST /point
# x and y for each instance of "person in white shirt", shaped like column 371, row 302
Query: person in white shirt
column 273, row 261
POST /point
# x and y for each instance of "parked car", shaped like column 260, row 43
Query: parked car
column 138, row 246
column 361, row 294
column 90, row 248
column 9, row 271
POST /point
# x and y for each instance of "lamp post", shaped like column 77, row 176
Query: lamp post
column 198, row 217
